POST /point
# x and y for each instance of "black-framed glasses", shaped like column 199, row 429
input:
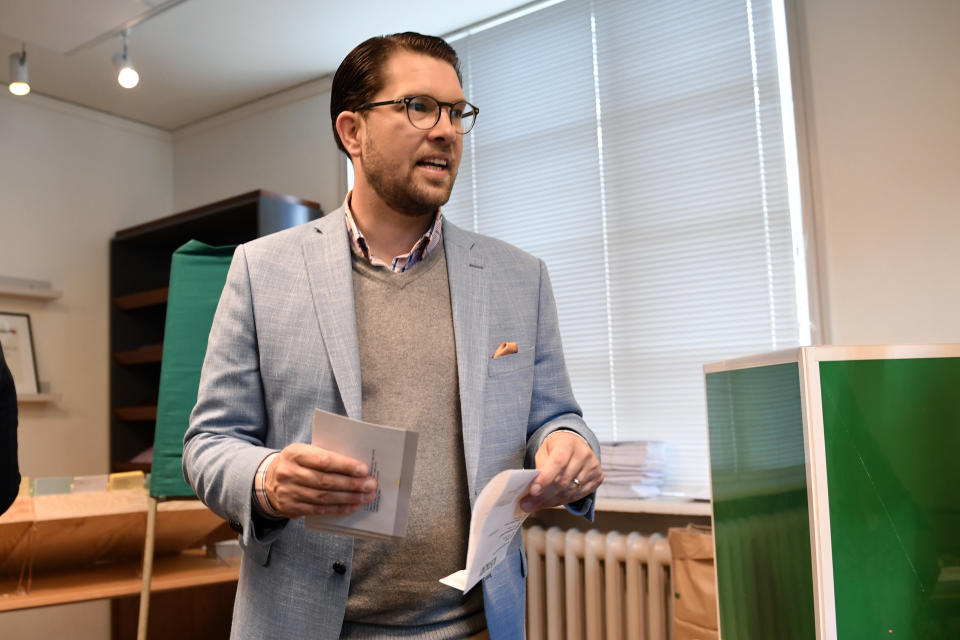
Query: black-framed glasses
column 423, row 112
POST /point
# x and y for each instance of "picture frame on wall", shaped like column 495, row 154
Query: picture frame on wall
column 16, row 341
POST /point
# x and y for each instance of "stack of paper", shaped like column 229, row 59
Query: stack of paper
column 632, row 469
column 391, row 455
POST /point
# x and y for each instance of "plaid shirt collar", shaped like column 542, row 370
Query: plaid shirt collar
column 421, row 248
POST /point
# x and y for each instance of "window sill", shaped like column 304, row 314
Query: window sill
column 666, row 506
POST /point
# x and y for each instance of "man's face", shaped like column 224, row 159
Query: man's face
column 412, row 170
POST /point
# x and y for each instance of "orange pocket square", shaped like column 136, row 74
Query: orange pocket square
column 505, row 349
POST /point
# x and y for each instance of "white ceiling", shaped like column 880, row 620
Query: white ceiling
column 197, row 58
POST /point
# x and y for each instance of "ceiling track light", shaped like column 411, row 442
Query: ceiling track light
column 127, row 76
column 19, row 79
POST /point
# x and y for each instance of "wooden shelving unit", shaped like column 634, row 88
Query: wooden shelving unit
column 129, row 465
column 140, row 260
column 136, row 414
column 142, row 299
column 139, row 279
column 140, row 355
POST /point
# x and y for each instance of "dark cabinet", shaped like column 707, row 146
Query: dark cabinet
column 139, row 274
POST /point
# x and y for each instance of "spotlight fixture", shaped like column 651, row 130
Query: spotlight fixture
column 19, row 83
column 127, row 76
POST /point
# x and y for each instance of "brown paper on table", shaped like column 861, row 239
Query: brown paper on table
column 84, row 529
column 694, row 583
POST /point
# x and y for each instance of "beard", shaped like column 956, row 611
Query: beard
column 399, row 188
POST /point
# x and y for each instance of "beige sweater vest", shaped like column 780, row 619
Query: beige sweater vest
column 408, row 369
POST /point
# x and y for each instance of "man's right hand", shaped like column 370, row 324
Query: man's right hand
column 306, row 480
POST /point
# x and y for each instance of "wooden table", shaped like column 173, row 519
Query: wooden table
column 87, row 546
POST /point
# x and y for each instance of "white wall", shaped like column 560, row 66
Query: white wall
column 69, row 178
column 882, row 98
column 884, row 93
column 283, row 143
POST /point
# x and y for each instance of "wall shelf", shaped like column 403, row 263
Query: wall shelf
column 664, row 506
column 25, row 288
column 37, row 398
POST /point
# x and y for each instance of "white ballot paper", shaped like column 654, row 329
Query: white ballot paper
column 495, row 520
column 391, row 454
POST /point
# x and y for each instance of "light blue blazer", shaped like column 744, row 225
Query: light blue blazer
column 284, row 341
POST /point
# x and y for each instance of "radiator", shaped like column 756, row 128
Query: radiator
column 597, row 586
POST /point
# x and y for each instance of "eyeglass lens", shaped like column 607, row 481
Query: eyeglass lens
column 424, row 113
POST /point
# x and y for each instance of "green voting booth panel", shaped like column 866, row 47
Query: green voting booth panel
column 197, row 275
column 875, row 505
column 764, row 579
column 892, row 435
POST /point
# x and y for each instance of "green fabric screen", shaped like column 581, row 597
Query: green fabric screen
column 197, row 274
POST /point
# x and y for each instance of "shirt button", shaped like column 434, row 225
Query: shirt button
column 339, row 568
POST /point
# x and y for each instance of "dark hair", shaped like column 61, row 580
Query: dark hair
column 360, row 76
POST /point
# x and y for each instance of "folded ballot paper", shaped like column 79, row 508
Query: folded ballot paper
column 494, row 522
column 391, row 454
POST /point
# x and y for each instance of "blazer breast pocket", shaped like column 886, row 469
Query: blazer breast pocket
column 522, row 359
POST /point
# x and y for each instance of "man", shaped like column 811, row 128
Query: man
column 385, row 311
column 9, row 467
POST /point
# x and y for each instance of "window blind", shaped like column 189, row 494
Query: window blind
column 638, row 149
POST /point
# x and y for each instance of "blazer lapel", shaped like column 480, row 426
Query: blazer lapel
column 468, row 299
column 330, row 273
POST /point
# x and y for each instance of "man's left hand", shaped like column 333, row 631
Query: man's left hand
column 569, row 471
